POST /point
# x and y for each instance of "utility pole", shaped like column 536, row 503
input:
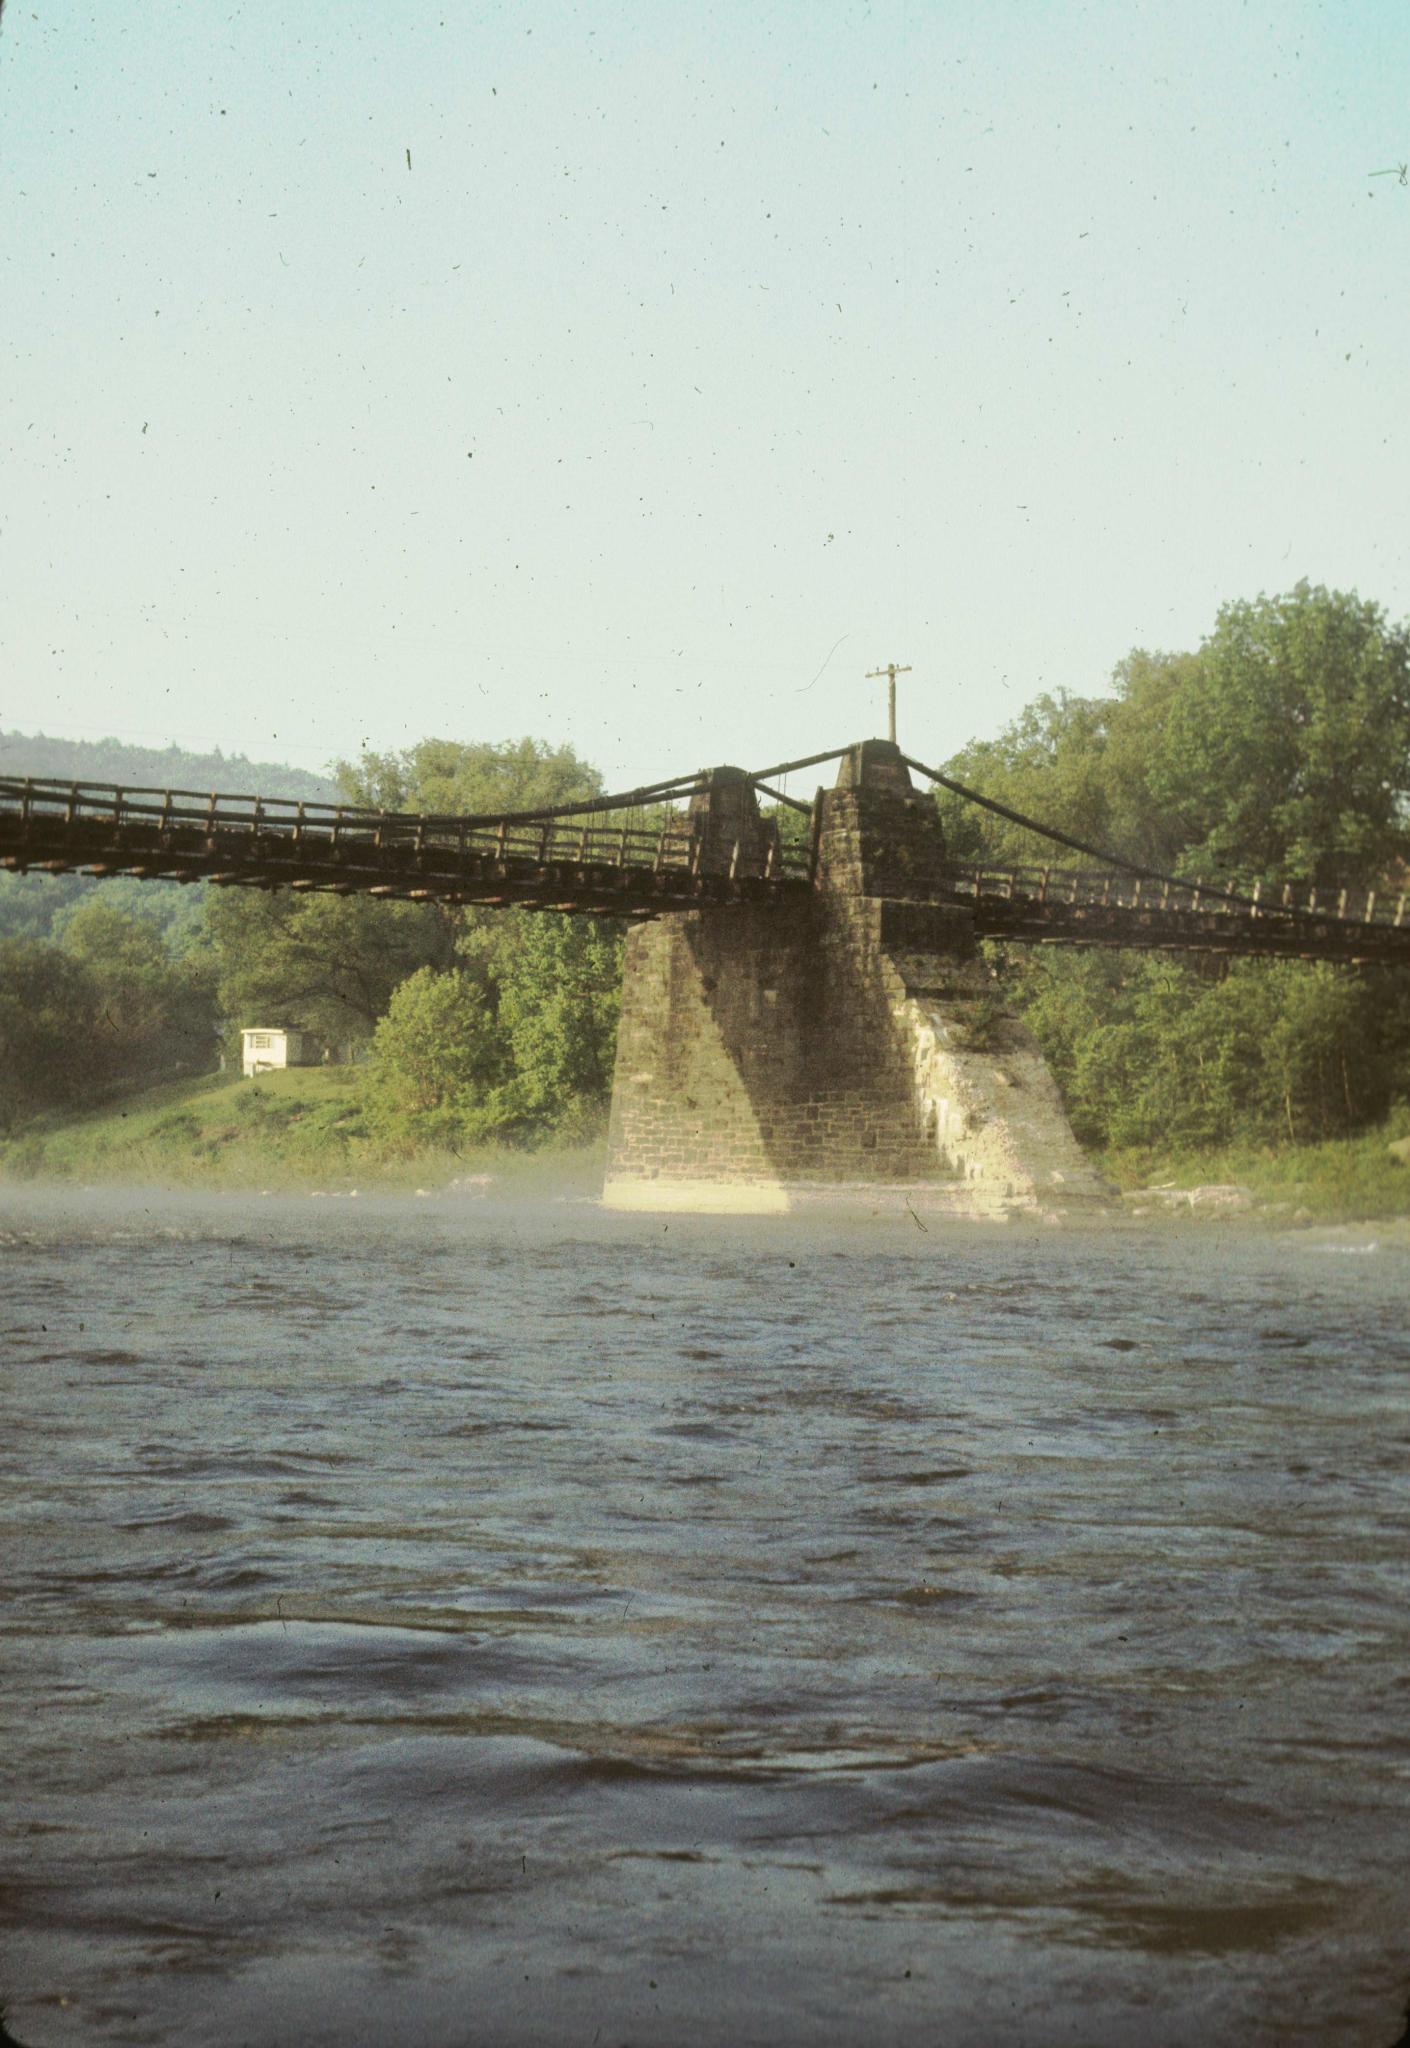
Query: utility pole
column 891, row 671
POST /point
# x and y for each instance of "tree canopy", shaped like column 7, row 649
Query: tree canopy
column 48, row 1015
column 456, row 777
column 1280, row 747
column 322, row 964
column 109, row 1007
column 437, row 1064
column 559, row 994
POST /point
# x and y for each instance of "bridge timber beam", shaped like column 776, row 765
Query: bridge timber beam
column 245, row 842
column 1232, row 933
column 720, row 854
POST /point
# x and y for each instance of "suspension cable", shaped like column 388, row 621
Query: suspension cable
column 787, row 767
column 1104, row 854
column 627, row 800
column 779, row 798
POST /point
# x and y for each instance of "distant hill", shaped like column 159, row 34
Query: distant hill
column 158, row 767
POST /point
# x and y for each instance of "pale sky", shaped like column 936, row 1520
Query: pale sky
column 696, row 361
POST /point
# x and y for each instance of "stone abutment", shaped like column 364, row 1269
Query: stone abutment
column 847, row 1051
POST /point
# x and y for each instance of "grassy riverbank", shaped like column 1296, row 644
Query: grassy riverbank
column 302, row 1129
column 1347, row 1180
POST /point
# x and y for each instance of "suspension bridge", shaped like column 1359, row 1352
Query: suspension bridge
column 805, row 1012
column 683, row 844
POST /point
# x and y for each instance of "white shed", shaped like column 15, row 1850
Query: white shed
column 263, row 1050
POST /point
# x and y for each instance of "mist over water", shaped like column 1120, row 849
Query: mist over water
column 440, row 1622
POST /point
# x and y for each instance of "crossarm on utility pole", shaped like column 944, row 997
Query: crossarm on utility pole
column 891, row 671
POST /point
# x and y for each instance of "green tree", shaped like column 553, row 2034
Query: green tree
column 1280, row 747
column 155, row 1017
column 455, row 778
column 1286, row 747
column 49, row 1055
column 31, row 905
column 479, row 1020
column 551, row 984
column 129, row 966
column 173, row 910
column 559, row 997
column 1051, row 764
column 322, row 964
column 438, row 1066
column 38, row 906
column 1158, row 1053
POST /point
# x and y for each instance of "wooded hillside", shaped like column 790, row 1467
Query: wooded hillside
column 158, row 767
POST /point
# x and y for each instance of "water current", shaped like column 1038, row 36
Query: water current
column 435, row 1623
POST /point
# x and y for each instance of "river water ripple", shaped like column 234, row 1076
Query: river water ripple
column 433, row 1623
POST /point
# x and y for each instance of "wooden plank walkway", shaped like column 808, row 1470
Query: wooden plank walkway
column 587, row 864
column 631, row 866
column 1098, row 907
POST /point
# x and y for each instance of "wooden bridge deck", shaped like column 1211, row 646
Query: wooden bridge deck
column 620, row 870
column 1097, row 907
column 634, row 870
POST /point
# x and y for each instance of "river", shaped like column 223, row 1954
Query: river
column 434, row 1623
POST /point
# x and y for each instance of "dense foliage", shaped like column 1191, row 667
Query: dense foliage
column 108, row 1007
column 1150, row 1053
column 326, row 965
column 438, row 1064
column 559, row 985
column 1280, row 748
column 509, row 1030
column 450, row 777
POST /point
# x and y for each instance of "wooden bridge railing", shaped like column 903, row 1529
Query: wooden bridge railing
column 1099, row 888
column 94, row 817
column 603, row 839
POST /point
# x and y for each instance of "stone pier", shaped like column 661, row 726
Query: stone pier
column 850, row 1051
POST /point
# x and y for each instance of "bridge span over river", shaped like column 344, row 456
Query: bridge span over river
column 805, row 1015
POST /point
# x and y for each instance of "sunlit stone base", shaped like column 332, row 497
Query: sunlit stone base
column 698, row 1197
column 847, row 1054
column 916, row 1202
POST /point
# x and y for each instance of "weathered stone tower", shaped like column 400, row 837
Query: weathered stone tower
column 849, row 1050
